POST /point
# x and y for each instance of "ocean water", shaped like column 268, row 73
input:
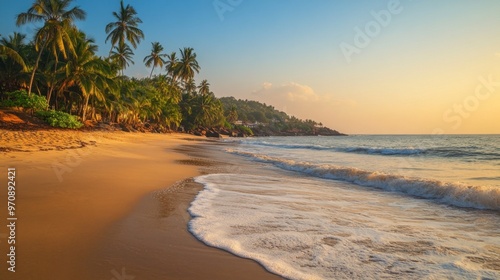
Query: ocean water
column 359, row 207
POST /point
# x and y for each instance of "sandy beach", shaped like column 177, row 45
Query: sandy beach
column 108, row 205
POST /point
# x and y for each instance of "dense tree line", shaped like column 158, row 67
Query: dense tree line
column 59, row 74
column 61, row 64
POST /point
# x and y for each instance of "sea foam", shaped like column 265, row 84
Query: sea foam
column 311, row 228
column 456, row 194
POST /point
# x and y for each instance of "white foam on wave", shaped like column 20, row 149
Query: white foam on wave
column 306, row 228
column 456, row 194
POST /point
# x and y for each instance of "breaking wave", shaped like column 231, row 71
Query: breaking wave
column 456, row 194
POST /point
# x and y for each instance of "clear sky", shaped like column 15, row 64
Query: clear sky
column 366, row 66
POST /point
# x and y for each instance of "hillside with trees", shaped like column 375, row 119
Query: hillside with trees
column 265, row 120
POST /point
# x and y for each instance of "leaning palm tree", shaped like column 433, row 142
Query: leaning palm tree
column 187, row 65
column 122, row 56
column 57, row 18
column 156, row 58
column 124, row 28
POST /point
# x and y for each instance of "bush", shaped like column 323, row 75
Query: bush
column 244, row 129
column 59, row 119
column 227, row 125
column 20, row 98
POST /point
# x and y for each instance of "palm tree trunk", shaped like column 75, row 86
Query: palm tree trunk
column 110, row 51
column 84, row 109
column 49, row 94
column 150, row 75
column 52, row 85
column 36, row 67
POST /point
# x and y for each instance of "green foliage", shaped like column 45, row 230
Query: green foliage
column 227, row 125
column 251, row 111
column 271, row 121
column 20, row 98
column 59, row 119
column 61, row 65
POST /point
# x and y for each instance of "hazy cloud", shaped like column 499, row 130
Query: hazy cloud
column 296, row 93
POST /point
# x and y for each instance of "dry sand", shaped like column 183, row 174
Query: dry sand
column 97, row 205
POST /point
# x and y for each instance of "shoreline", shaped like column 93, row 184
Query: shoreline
column 75, row 205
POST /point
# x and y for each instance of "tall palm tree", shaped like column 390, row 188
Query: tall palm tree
column 122, row 55
column 156, row 58
column 57, row 18
column 87, row 72
column 171, row 65
column 187, row 65
column 124, row 28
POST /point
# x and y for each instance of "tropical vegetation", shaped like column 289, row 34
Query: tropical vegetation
column 59, row 75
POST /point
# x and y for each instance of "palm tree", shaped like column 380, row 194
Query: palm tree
column 12, row 66
column 16, row 44
column 122, row 55
column 125, row 27
column 232, row 116
column 87, row 72
column 204, row 88
column 7, row 50
column 57, row 18
column 207, row 110
column 171, row 65
column 156, row 58
column 187, row 65
column 190, row 87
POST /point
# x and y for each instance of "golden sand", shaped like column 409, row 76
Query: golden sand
column 97, row 205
